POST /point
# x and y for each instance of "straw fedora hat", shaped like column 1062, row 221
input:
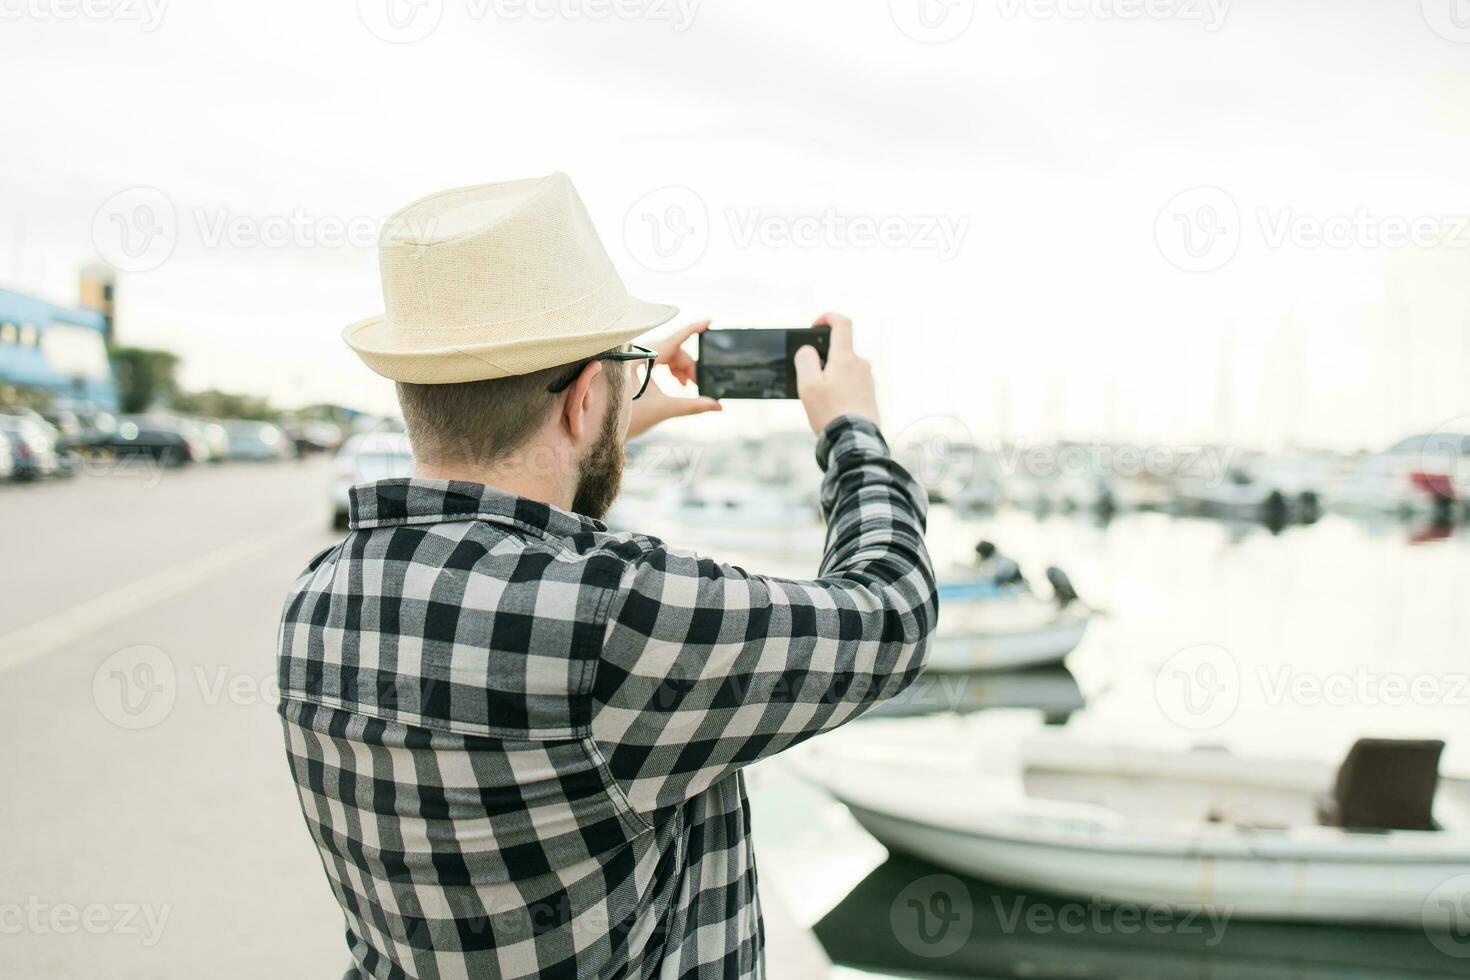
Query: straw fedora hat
column 493, row 281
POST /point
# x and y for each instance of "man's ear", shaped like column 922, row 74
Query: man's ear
column 579, row 404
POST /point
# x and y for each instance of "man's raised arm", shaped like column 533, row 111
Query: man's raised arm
column 707, row 668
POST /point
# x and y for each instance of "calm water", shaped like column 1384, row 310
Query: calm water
column 1289, row 644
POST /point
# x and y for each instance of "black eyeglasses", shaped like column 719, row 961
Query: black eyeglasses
column 648, row 357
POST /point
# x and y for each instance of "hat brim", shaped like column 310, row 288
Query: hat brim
column 371, row 340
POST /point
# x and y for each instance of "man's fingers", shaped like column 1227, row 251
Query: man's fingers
column 678, row 337
column 808, row 367
column 841, row 328
column 682, row 367
column 680, row 407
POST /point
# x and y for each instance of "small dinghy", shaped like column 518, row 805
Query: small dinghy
column 1007, row 633
column 994, row 621
column 1384, row 841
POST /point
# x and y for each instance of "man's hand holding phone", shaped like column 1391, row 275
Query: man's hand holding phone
column 843, row 387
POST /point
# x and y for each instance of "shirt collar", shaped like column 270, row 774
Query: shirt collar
column 412, row 501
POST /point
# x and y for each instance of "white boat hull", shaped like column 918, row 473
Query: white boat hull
column 1039, row 646
column 1251, row 886
column 981, row 815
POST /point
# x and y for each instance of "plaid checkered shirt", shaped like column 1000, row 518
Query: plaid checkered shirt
column 518, row 738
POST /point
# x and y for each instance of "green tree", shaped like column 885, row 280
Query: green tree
column 224, row 405
column 145, row 377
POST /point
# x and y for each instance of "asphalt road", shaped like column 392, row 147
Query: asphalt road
column 148, row 825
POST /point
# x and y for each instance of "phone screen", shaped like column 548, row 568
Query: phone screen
column 755, row 363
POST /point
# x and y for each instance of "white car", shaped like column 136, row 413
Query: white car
column 366, row 458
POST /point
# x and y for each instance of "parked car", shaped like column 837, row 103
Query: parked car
column 256, row 441
column 314, row 437
column 216, row 440
column 363, row 459
column 165, row 438
column 32, row 447
column 7, row 458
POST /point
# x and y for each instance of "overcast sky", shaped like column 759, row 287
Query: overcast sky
column 1150, row 219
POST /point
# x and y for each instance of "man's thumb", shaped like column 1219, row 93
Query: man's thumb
column 808, row 366
column 696, row 406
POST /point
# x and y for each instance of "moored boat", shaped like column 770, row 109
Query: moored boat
column 1188, row 830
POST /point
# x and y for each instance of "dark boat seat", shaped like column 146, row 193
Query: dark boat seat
column 1386, row 784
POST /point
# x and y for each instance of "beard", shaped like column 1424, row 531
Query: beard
column 600, row 472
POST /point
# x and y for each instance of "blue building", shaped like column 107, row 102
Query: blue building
column 59, row 349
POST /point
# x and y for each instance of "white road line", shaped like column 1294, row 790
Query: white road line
column 47, row 635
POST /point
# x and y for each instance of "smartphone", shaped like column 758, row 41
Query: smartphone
column 755, row 363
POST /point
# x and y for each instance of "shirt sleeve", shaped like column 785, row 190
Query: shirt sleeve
column 707, row 668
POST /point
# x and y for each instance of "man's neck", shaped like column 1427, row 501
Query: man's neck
column 550, row 487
